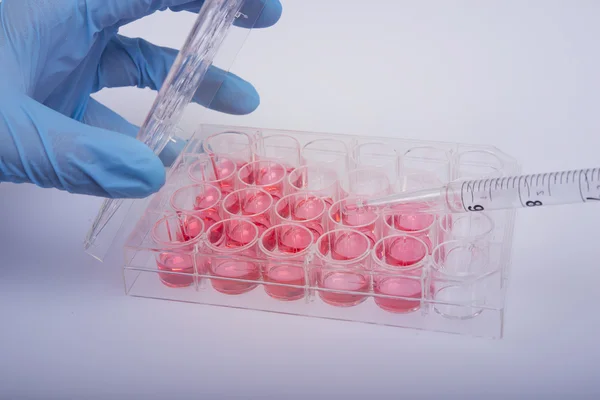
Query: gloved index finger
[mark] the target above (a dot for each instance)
(109, 13)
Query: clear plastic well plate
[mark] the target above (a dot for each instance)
(271, 220)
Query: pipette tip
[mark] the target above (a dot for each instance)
(431, 197)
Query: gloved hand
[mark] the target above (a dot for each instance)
(53, 55)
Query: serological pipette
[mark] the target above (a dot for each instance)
(197, 54)
(524, 191)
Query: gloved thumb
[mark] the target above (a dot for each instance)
(41, 146)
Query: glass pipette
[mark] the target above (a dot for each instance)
(197, 54)
(553, 188)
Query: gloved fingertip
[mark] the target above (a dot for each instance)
(148, 174)
(236, 96)
(150, 181)
(270, 13)
(172, 150)
(246, 104)
(124, 166)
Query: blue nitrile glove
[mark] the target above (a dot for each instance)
(53, 55)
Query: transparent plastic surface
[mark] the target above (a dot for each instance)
(206, 38)
(288, 234)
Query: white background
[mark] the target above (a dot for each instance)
(519, 75)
